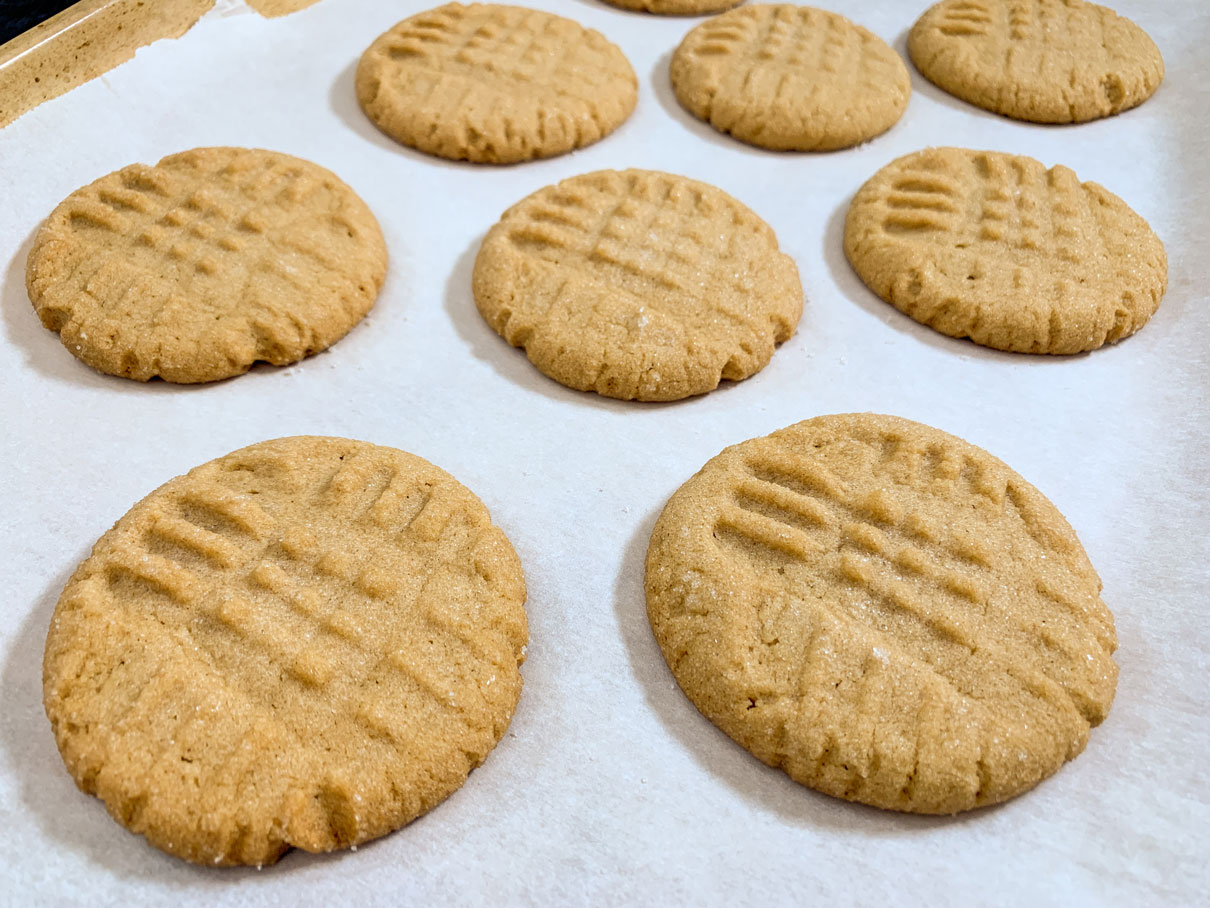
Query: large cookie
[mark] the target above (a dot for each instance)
(308, 642)
(676, 7)
(637, 285)
(790, 78)
(1049, 61)
(212, 260)
(889, 614)
(999, 249)
(494, 84)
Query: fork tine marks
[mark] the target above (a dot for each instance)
(214, 501)
(213, 547)
(155, 572)
(752, 529)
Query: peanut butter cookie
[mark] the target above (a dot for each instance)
(790, 78)
(1047, 61)
(211, 260)
(637, 285)
(889, 614)
(676, 7)
(494, 84)
(308, 642)
(998, 248)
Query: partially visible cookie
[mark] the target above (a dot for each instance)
(886, 612)
(211, 260)
(494, 84)
(1047, 61)
(308, 642)
(676, 7)
(637, 285)
(790, 77)
(274, 8)
(998, 248)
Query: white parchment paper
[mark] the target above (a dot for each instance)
(609, 787)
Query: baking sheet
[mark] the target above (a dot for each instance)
(609, 787)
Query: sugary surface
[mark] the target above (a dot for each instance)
(1048, 61)
(889, 614)
(638, 285)
(495, 84)
(308, 642)
(790, 77)
(213, 259)
(1000, 249)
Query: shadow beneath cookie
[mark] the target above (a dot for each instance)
(43, 351)
(342, 100)
(67, 816)
(41, 348)
(768, 788)
(511, 362)
(922, 87)
(661, 84)
(72, 820)
(605, 4)
(853, 289)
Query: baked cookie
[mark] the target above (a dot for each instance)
(1047, 61)
(676, 7)
(889, 614)
(212, 260)
(308, 642)
(790, 78)
(271, 9)
(637, 285)
(494, 84)
(999, 249)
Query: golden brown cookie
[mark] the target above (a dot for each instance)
(676, 7)
(1048, 61)
(999, 249)
(212, 260)
(889, 614)
(494, 84)
(637, 285)
(308, 642)
(271, 9)
(790, 78)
